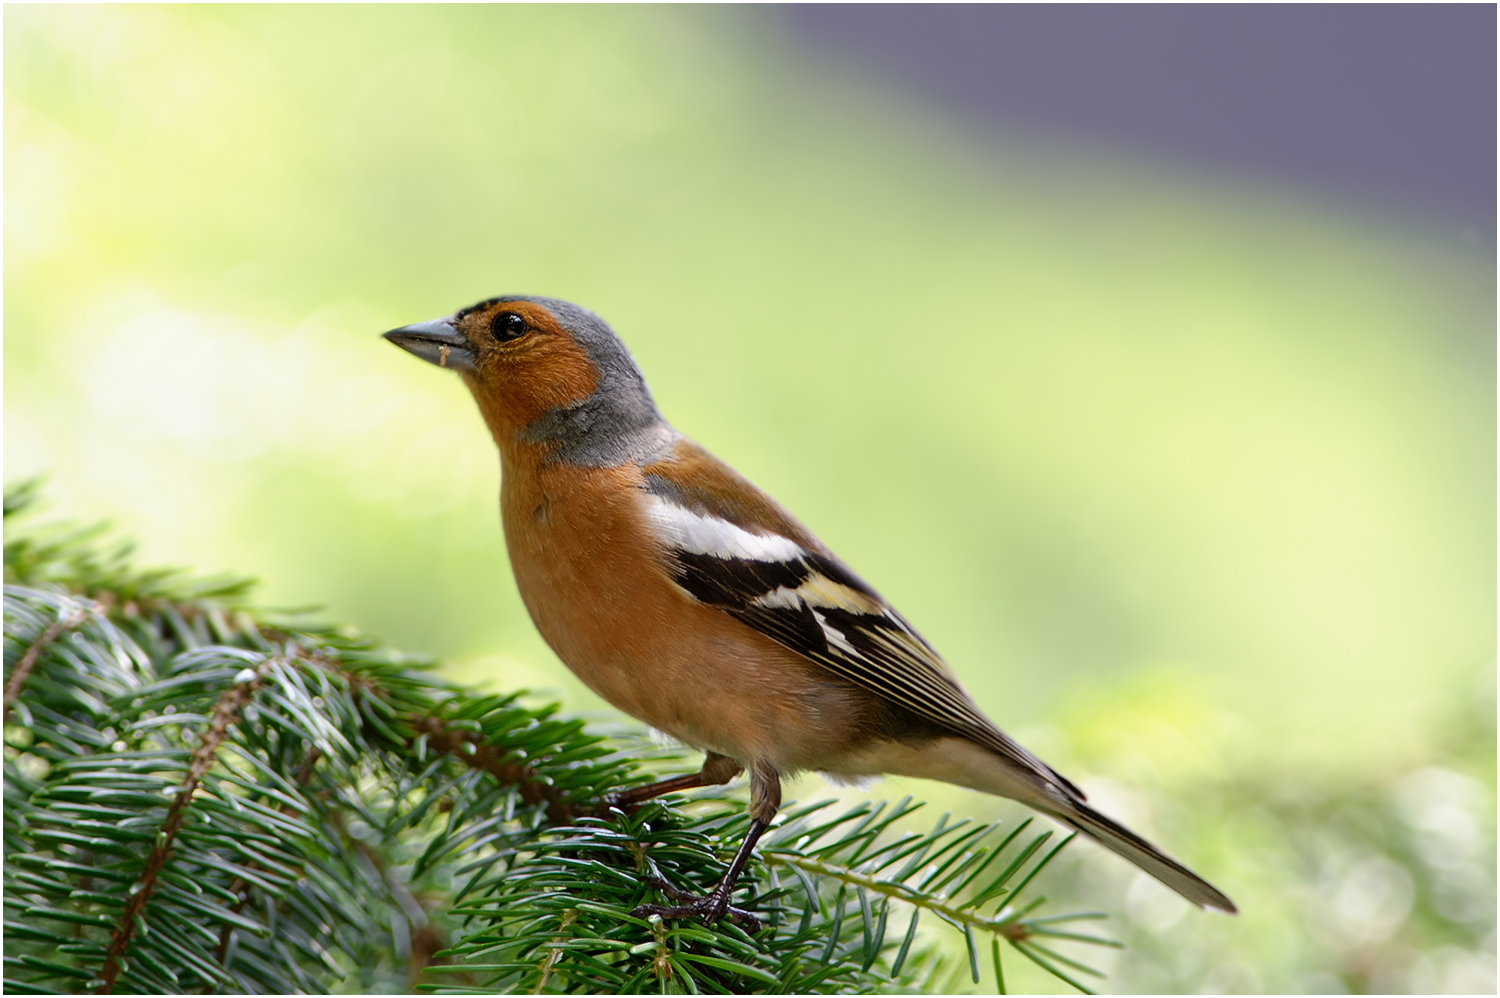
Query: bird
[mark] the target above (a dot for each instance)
(689, 599)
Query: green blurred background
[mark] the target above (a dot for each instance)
(1192, 481)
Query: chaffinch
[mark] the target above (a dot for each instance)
(686, 597)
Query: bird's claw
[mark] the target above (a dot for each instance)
(710, 907)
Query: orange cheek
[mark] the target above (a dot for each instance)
(515, 388)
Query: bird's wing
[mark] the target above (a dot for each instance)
(730, 546)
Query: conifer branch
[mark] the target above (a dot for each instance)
(463, 746)
(339, 820)
(226, 712)
(29, 659)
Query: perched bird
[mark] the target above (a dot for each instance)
(686, 597)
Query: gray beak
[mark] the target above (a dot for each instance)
(436, 341)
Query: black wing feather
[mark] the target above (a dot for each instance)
(879, 651)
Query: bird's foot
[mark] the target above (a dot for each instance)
(710, 907)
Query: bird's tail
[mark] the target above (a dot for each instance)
(1123, 842)
(1017, 774)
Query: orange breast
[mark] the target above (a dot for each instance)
(598, 590)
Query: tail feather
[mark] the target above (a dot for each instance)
(1123, 842)
(1020, 776)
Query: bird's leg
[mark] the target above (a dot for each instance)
(765, 801)
(717, 769)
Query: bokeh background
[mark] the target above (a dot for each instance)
(1146, 364)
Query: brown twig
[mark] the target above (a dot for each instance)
(34, 653)
(560, 810)
(226, 712)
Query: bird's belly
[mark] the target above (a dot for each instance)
(727, 693)
(645, 646)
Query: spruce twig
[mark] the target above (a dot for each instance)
(226, 712)
(28, 660)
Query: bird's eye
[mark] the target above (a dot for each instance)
(507, 326)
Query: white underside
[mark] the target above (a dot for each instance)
(953, 760)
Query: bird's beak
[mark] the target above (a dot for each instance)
(437, 341)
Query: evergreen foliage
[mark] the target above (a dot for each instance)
(201, 797)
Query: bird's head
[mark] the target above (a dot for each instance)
(546, 374)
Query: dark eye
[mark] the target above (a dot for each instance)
(507, 326)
